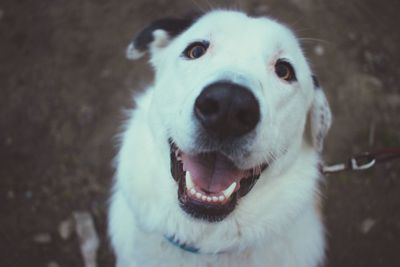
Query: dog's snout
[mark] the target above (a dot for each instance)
(226, 109)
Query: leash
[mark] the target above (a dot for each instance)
(363, 161)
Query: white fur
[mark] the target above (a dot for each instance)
(276, 224)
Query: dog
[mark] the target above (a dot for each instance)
(219, 161)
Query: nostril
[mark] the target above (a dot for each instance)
(207, 107)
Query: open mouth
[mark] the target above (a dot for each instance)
(209, 183)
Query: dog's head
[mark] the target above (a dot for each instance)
(232, 95)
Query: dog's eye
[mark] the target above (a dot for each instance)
(285, 71)
(196, 50)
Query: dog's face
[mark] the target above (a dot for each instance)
(231, 98)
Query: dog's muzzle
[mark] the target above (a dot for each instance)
(209, 182)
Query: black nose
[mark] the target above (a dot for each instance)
(227, 110)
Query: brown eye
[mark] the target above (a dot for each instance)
(285, 71)
(196, 50)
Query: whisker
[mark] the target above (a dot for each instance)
(198, 6)
(210, 6)
(315, 40)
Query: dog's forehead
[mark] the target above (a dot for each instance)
(237, 28)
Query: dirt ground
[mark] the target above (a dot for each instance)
(64, 82)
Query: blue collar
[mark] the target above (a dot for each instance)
(183, 246)
(188, 248)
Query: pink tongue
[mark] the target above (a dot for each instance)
(212, 172)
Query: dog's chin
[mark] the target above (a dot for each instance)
(214, 197)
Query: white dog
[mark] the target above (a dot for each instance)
(219, 161)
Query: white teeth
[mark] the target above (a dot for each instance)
(201, 196)
(228, 192)
(188, 180)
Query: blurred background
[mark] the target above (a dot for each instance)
(64, 82)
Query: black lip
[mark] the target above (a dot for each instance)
(200, 210)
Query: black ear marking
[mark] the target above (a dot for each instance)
(315, 81)
(172, 26)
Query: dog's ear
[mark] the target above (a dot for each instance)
(158, 34)
(320, 117)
